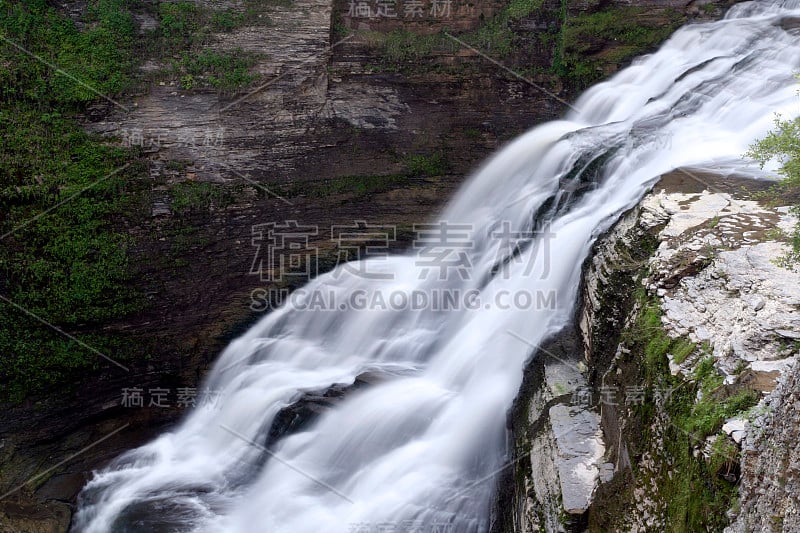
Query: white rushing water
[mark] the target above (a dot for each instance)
(418, 446)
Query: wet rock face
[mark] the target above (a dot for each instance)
(566, 450)
(558, 444)
(307, 407)
(37, 518)
(580, 447)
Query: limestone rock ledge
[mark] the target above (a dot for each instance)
(711, 260)
(716, 273)
(745, 307)
(566, 450)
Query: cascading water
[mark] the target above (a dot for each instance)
(418, 447)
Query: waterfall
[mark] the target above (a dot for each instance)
(419, 446)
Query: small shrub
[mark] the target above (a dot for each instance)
(783, 145)
(187, 82)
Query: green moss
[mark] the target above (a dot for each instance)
(67, 196)
(422, 165)
(648, 335)
(225, 70)
(184, 239)
(695, 492)
(584, 47)
(357, 186)
(185, 24)
(338, 29)
(682, 349)
(63, 193)
(65, 260)
(706, 415)
(417, 166)
(494, 38)
(709, 8)
(724, 452)
(184, 41)
(227, 20)
(518, 9)
(700, 491)
(627, 29)
(624, 24)
(196, 197)
(99, 56)
(414, 51)
(401, 45)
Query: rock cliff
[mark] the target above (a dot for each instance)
(682, 389)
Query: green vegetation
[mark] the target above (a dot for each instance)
(620, 24)
(62, 191)
(227, 70)
(494, 37)
(227, 20)
(584, 47)
(681, 349)
(472, 133)
(65, 194)
(699, 491)
(185, 238)
(705, 416)
(783, 145)
(406, 46)
(191, 196)
(518, 9)
(357, 186)
(584, 36)
(698, 497)
(425, 166)
(339, 30)
(100, 56)
(183, 40)
(185, 25)
(709, 9)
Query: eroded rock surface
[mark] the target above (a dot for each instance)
(566, 449)
(722, 285)
(771, 465)
(713, 264)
